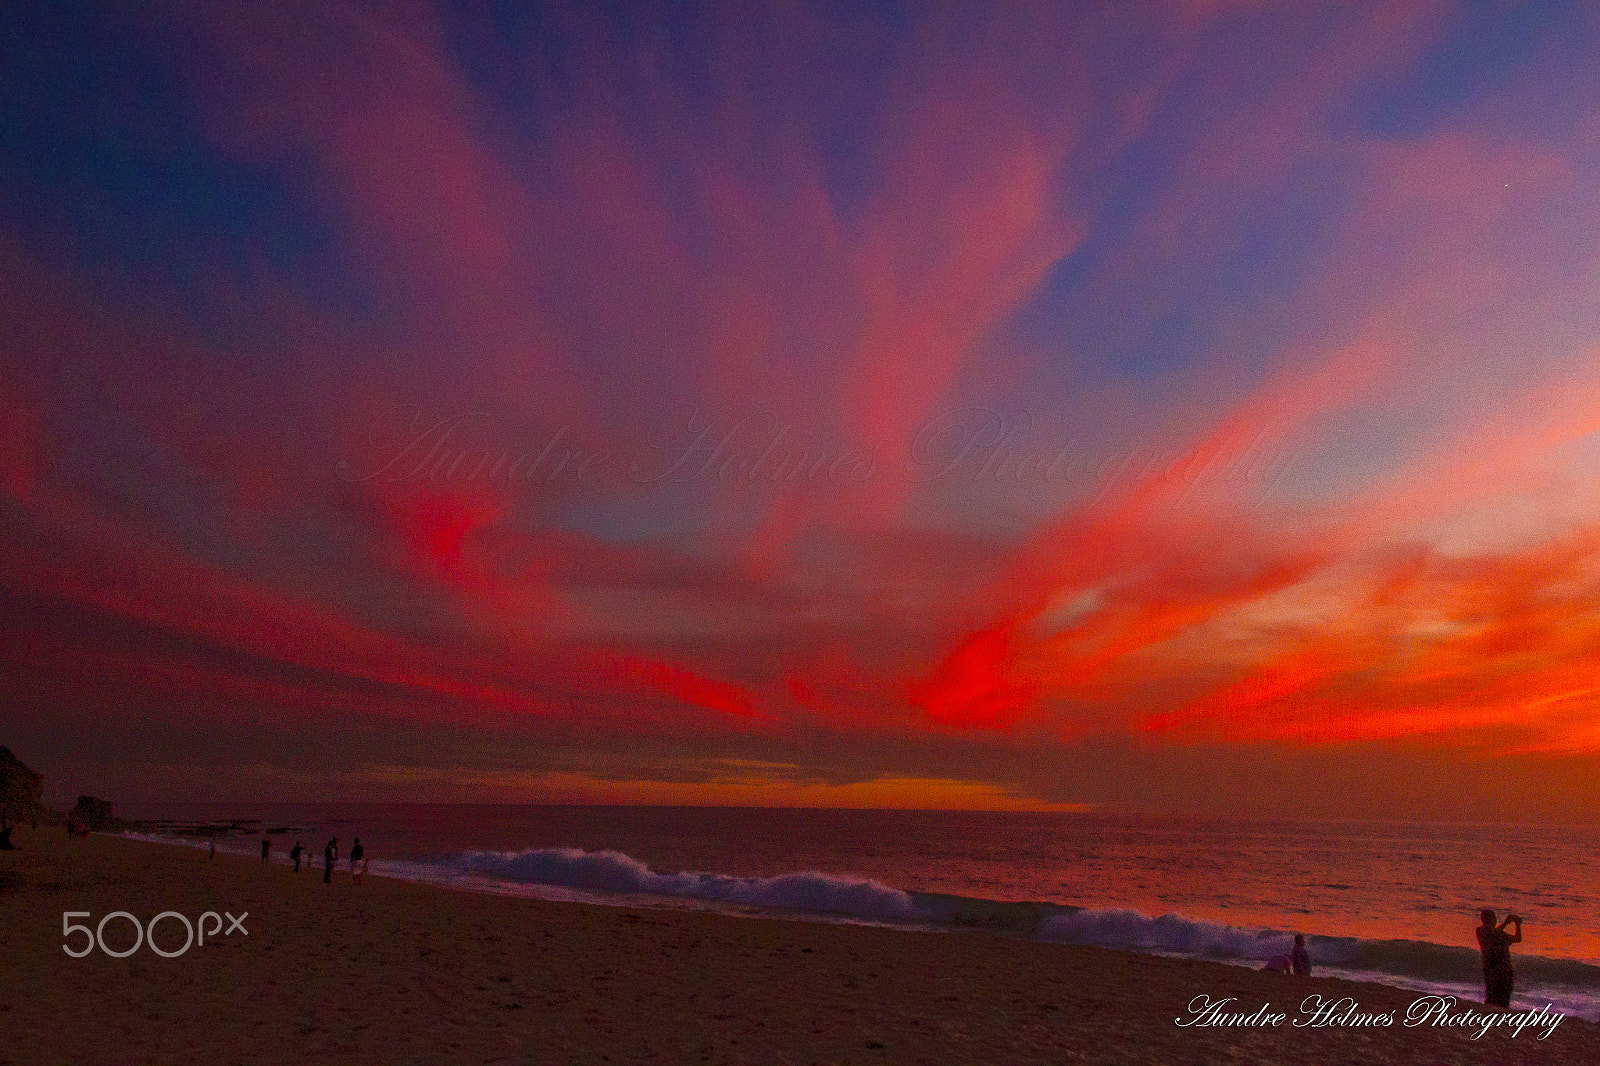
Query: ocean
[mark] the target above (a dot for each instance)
(1390, 902)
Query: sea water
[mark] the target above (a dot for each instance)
(1390, 902)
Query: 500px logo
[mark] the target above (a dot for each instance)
(144, 933)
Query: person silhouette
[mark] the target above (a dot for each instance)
(1300, 958)
(1495, 943)
(295, 853)
(330, 855)
(356, 851)
(266, 846)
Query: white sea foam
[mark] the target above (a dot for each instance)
(613, 871)
(1120, 928)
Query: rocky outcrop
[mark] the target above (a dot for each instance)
(21, 789)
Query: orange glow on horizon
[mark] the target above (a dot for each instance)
(732, 790)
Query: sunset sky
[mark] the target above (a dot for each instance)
(1192, 406)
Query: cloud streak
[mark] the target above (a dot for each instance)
(881, 403)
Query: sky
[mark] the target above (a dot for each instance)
(1181, 406)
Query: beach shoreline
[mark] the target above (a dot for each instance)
(802, 882)
(398, 971)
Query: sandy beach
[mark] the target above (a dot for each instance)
(396, 972)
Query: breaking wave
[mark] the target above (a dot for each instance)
(613, 871)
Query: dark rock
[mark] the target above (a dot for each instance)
(21, 790)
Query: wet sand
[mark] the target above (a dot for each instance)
(394, 972)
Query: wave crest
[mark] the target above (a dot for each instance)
(1122, 928)
(614, 871)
